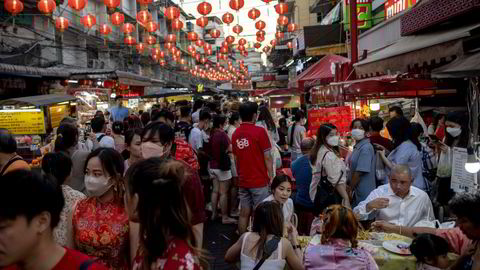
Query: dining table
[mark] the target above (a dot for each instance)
(373, 243)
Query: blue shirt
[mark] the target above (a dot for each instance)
(363, 160)
(302, 171)
(118, 113)
(407, 154)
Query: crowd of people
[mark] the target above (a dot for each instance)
(135, 194)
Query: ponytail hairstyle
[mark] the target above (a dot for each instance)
(67, 137)
(340, 223)
(162, 209)
(267, 219)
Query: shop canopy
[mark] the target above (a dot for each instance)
(319, 73)
(37, 72)
(41, 100)
(464, 66)
(275, 92)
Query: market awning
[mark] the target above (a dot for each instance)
(40, 100)
(275, 92)
(464, 66)
(152, 91)
(320, 72)
(130, 78)
(17, 70)
(415, 49)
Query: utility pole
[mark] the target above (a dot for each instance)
(353, 32)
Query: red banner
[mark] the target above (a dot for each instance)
(341, 117)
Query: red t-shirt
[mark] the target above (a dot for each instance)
(71, 260)
(249, 143)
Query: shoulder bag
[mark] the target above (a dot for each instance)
(268, 249)
(326, 193)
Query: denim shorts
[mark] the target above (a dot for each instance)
(251, 197)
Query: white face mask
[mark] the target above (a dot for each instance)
(333, 141)
(150, 149)
(97, 186)
(454, 132)
(358, 134)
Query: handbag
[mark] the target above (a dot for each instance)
(326, 193)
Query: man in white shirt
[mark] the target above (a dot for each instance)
(397, 202)
(197, 136)
(99, 127)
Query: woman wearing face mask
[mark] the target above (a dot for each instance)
(100, 226)
(67, 142)
(361, 176)
(296, 133)
(133, 141)
(281, 188)
(407, 150)
(327, 162)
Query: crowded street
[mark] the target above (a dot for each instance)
(233, 134)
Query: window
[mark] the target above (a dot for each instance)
(319, 17)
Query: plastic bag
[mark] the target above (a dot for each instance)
(444, 168)
(418, 119)
(380, 172)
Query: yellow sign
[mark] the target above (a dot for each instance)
(57, 113)
(23, 122)
(179, 98)
(200, 87)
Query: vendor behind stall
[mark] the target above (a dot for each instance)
(118, 112)
(9, 160)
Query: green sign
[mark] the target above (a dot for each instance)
(364, 14)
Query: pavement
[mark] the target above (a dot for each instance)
(217, 239)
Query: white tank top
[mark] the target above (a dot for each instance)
(248, 263)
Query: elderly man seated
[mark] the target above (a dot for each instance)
(397, 202)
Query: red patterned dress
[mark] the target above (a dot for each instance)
(101, 230)
(178, 256)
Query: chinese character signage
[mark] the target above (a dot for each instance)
(341, 117)
(364, 14)
(393, 7)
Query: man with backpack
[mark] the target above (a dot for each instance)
(101, 139)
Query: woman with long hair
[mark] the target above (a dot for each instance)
(133, 142)
(281, 189)
(282, 133)
(327, 163)
(117, 134)
(338, 249)
(100, 226)
(267, 227)
(265, 120)
(406, 150)
(296, 133)
(154, 199)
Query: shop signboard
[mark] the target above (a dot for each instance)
(23, 122)
(462, 181)
(393, 7)
(57, 113)
(364, 14)
(340, 116)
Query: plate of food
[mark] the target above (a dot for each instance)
(397, 247)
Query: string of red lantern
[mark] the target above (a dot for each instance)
(177, 24)
(128, 28)
(236, 4)
(292, 27)
(61, 23)
(144, 17)
(237, 29)
(204, 8)
(89, 21)
(151, 26)
(279, 35)
(282, 20)
(253, 13)
(202, 21)
(105, 29)
(227, 18)
(281, 8)
(46, 6)
(77, 4)
(117, 18)
(172, 13)
(13, 6)
(260, 25)
(111, 4)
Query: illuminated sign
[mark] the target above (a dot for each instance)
(393, 7)
(364, 14)
(23, 122)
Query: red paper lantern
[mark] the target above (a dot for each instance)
(281, 8)
(111, 4)
(178, 53)
(279, 35)
(257, 45)
(128, 28)
(282, 20)
(207, 46)
(194, 53)
(237, 29)
(209, 52)
(273, 42)
(161, 54)
(151, 26)
(260, 25)
(151, 40)
(129, 40)
(260, 38)
(260, 33)
(204, 8)
(267, 1)
(290, 45)
(224, 50)
(155, 51)
(192, 36)
(240, 48)
(162, 62)
(253, 13)
(140, 47)
(61, 23)
(168, 45)
(117, 18)
(77, 4)
(242, 41)
(224, 43)
(144, 17)
(89, 21)
(203, 60)
(291, 27)
(172, 13)
(202, 21)
(200, 43)
(13, 6)
(144, 2)
(190, 48)
(46, 6)
(105, 29)
(197, 57)
(227, 18)
(171, 38)
(177, 24)
(215, 33)
(236, 4)
(230, 39)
